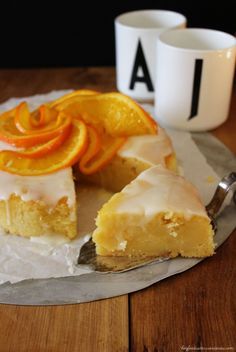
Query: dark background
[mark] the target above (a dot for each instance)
(81, 33)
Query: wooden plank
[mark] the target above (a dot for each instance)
(98, 326)
(38, 81)
(86, 327)
(227, 132)
(196, 308)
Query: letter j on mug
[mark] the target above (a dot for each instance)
(194, 75)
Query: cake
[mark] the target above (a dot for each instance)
(46, 203)
(157, 214)
(109, 140)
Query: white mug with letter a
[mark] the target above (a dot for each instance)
(195, 70)
(136, 35)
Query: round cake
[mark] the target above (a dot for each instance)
(37, 188)
(108, 140)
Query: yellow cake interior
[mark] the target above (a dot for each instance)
(34, 218)
(122, 235)
(38, 205)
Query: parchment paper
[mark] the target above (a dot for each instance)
(42, 272)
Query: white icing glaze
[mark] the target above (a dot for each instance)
(148, 148)
(48, 188)
(159, 190)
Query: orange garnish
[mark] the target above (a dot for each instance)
(42, 116)
(43, 149)
(10, 134)
(83, 126)
(94, 146)
(66, 155)
(27, 123)
(99, 152)
(118, 114)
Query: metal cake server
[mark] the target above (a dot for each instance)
(102, 264)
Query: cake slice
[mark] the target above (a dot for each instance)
(158, 214)
(38, 205)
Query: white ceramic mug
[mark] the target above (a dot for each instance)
(136, 34)
(195, 70)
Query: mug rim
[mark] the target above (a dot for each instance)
(163, 40)
(182, 19)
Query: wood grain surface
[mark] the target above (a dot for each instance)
(193, 310)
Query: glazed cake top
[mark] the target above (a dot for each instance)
(48, 188)
(148, 148)
(159, 190)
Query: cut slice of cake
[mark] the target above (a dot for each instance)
(38, 205)
(136, 155)
(158, 214)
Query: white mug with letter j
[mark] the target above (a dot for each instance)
(195, 70)
(136, 36)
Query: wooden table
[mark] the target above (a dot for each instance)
(195, 308)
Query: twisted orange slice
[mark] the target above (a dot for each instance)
(9, 133)
(40, 150)
(41, 117)
(118, 114)
(43, 120)
(66, 155)
(100, 151)
(94, 146)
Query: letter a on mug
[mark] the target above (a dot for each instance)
(140, 63)
(136, 34)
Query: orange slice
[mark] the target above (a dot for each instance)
(94, 146)
(99, 152)
(10, 134)
(28, 123)
(41, 117)
(118, 114)
(43, 149)
(66, 155)
(74, 94)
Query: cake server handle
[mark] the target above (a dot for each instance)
(222, 190)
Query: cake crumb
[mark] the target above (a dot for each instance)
(173, 234)
(168, 215)
(172, 224)
(122, 245)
